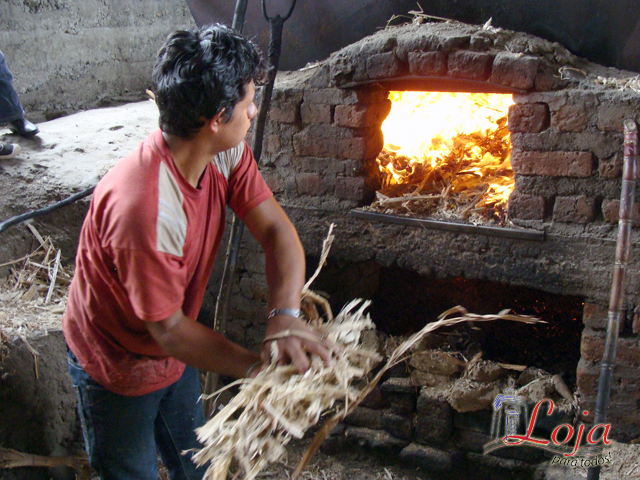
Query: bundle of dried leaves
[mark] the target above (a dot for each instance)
(280, 404)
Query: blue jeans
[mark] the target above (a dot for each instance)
(10, 106)
(124, 434)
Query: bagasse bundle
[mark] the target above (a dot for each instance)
(279, 403)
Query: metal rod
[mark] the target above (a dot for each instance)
(623, 247)
(538, 236)
(231, 259)
(237, 227)
(238, 15)
(436, 84)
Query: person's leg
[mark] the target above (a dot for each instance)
(9, 150)
(10, 106)
(118, 430)
(181, 413)
(11, 111)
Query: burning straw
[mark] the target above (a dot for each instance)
(430, 164)
(279, 404)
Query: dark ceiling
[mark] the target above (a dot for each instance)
(604, 31)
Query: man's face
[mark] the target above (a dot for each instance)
(234, 131)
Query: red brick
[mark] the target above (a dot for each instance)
(310, 184)
(611, 211)
(273, 144)
(285, 112)
(571, 118)
(595, 316)
(315, 113)
(526, 207)
(587, 375)
(553, 164)
(628, 352)
(330, 141)
(328, 167)
(610, 117)
(627, 349)
(362, 115)
(528, 117)
(592, 345)
(580, 209)
(339, 96)
(384, 65)
(274, 181)
(469, 65)
(546, 81)
(278, 182)
(427, 63)
(516, 71)
(611, 167)
(353, 188)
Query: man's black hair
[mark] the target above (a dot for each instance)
(199, 72)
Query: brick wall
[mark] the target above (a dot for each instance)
(322, 140)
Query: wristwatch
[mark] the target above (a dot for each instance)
(291, 312)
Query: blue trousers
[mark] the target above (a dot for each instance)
(10, 106)
(123, 435)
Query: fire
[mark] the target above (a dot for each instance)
(448, 151)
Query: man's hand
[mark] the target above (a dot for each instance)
(295, 348)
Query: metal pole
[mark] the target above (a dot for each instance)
(623, 246)
(237, 227)
(238, 15)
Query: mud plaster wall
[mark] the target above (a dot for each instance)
(38, 414)
(65, 56)
(69, 55)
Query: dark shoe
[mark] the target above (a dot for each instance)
(23, 127)
(9, 150)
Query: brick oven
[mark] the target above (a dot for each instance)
(553, 256)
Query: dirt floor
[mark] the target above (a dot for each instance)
(71, 153)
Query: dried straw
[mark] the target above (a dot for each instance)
(33, 295)
(628, 83)
(400, 354)
(279, 404)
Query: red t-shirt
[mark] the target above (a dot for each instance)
(146, 249)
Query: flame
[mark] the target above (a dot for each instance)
(456, 142)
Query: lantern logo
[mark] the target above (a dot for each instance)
(510, 413)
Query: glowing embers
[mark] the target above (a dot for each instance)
(446, 154)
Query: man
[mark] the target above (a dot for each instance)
(145, 254)
(11, 112)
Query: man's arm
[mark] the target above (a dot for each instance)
(285, 270)
(200, 346)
